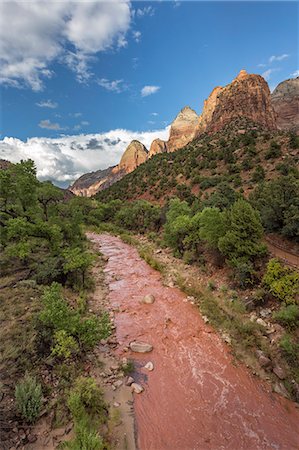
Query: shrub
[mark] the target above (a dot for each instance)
(86, 400)
(85, 439)
(289, 348)
(274, 151)
(258, 174)
(128, 367)
(28, 396)
(92, 329)
(64, 345)
(281, 281)
(288, 316)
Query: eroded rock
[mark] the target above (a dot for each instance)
(140, 347)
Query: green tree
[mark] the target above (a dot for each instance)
(242, 241)
(213, 226)
(77, 261)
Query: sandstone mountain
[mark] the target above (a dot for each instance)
(285, 101)
(183, 129)
(91, 183)
(246, 99)
(157, 146)
(248, 96)
(135, 154)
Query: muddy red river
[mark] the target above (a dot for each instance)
(195, 398)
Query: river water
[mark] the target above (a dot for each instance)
(195, 398)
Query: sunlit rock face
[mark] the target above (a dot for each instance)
(183, 129)
(134, 155)
(247, 96)
(157, 146)
(285, 101)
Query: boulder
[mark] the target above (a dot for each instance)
(129, 381)
(149, 366)
(137, 388)
(279, 372)
(148, 299)
(140, 347)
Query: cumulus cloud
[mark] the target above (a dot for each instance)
(44, 32)
(275, 58)
(47, 104)
(117, 86)
(48, 125)
(149, 90)
(64, 159)
(295, 74)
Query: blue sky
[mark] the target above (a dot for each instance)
(132, 67)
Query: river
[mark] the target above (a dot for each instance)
(196, 398)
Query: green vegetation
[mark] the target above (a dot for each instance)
(281, 281)
(278, 204)
(88, 410)
(29, 398)
(46, 325)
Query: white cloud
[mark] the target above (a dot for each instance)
(146, 11)
(278, 57)
(114, 85)
(47, 104)
(267, 74)
(149, 90)
(48, 125)
(83, 123)
(64, 159)
(154, 114)
(295, 74)
(35, 34)
(136, 36)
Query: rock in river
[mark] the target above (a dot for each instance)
(140, 347)
(136, 388)
(148, 299)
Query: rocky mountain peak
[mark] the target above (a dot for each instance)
(183, 129)
(247, 97)
(242, 74)
(134, 155)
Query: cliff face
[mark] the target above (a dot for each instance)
(157, 146)
(135, 154)
(248, 96)
(183, 129)
(285, 101)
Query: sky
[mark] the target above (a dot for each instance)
(80, 80)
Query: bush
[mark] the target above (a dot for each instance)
(274, 151)
(28, 396)
(289, 348)
(258, 174)
(65, 345)
(86, 399)
(85, 439)
(288, 316)
(281, 281)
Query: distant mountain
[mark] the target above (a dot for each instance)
(285, 100)
(247, 98)
(91, 183)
